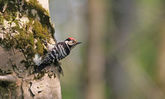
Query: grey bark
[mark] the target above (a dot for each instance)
(20, 83)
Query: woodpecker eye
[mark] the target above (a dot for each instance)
(74, 41)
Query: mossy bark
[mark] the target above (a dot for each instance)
(24, 27)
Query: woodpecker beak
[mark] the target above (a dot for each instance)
(78, 43)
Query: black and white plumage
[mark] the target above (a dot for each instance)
(58, 52)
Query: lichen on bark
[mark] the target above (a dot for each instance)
(25, 26)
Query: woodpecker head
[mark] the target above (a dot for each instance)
(71, 42)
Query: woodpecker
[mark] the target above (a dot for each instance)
(58, 52)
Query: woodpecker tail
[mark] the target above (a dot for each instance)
(42, 66)
(59, 68)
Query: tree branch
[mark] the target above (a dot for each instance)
(8, 78)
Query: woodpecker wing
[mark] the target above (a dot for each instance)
(60, 51)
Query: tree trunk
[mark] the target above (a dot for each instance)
(161, 58)
(24, 27)
(125, 75)
(95, 55)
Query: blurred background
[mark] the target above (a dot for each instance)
(123, 51)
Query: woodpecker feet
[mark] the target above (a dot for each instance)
(51, 71)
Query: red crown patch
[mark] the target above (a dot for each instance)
(71, 38)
